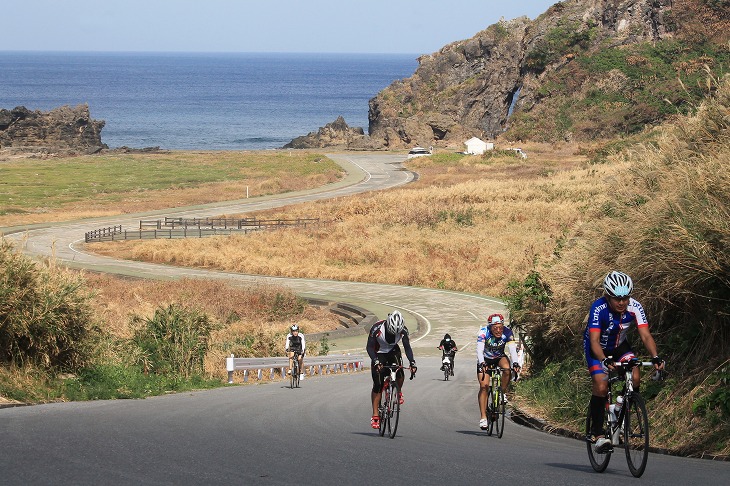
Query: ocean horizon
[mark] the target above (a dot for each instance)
(202, 101)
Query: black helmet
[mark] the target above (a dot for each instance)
(294, 328)
(447, 337)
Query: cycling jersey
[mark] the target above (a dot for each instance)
(612, 326)
(448, 347)
(491, 347)
(380, 342)
(295, 343)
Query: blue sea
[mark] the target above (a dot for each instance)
(197, 101)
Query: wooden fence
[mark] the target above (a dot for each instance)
(170, 228)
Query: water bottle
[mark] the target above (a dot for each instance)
(612, 413)
(619, 404)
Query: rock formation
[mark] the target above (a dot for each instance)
(521, 78)
(335, 134)
(61, 129)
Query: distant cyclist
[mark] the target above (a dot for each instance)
(448, 348)
(383, 350)
(604, 342)
(492, 340)
(295, 344)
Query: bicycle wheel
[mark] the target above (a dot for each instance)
(293, 372)
(636, 435)
(599, 461)
(297, 377)
(490, 410)
(447, 371)
(500, 407)
(383, 410)
(394, 410)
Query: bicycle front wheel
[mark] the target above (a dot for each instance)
(292, 376)
(384, 410)
(394, 410)
(501, 409)
(636, 435)
(599, 461)
(447, 372)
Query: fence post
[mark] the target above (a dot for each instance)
(230, 368)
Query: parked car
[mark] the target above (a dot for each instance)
(418, 152)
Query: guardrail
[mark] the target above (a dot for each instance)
(313, 364)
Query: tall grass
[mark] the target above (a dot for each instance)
(667, 224)
(45, 314)
(469, 224)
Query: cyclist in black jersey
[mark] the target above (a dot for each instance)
(295, 343)
(448, 348)
(383, 349)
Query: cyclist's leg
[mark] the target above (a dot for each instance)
(377, 389)
(599, 390)
(504, 364)
(290, 355)
(483, 379)
(301, 362)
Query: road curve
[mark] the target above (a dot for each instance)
(318, 434)
(438, 311)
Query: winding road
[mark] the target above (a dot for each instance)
(318, 434)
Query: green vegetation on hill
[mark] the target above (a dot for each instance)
(617, 91)
(668, 226)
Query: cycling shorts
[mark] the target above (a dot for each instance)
(391, 358)
(622, 353)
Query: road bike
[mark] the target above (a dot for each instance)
(496, 407)
(626, 423)
(447, 367)
(294, 371)
(389, 408)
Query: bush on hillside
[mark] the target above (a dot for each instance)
(669, 228)
(174, 341)
(45, 314)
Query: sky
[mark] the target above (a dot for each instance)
(316, 26)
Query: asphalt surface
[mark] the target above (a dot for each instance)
(318, 434)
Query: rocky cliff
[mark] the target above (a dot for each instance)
(61, 129)
(583, 70)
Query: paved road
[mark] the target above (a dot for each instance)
(319, 434)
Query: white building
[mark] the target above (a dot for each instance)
(476, 146)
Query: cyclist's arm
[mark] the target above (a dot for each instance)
(512, 348)
(371, 345)
(480, 351)
(304, 346)
(286, 345)
(596, 349)
(648, 341)
(407, 348)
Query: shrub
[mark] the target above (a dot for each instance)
(174, 341)
(45, 314)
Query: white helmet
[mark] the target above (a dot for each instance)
(618, 284)
(395, 323)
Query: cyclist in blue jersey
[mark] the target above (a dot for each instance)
(604, 342)
(492, 340)
(383, 349)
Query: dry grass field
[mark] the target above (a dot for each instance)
(467, 224)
